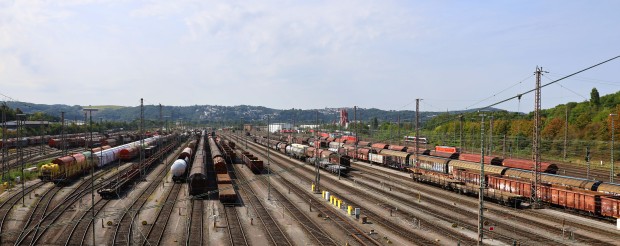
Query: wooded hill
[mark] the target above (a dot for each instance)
(589, 125)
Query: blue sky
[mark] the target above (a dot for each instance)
(306, 54)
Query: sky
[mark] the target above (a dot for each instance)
(454, 55)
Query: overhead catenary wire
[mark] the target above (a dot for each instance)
(552, 82)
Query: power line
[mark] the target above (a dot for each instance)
(552, 82)
(502, 91)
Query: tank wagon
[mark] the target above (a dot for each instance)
(180, 167)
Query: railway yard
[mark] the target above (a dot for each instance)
(209, 187)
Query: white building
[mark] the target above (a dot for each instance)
(276, 127)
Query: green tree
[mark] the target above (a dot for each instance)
(375, 123)
(595, 98)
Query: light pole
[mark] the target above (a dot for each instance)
(92, 170)
(19, 155)
(611, 172)
(481, 193)
(268, 163)
(167, 127)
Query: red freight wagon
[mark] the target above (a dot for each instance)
(576, 199)
(529, 165)
(610, 206)
(493, 160)
(398, 148)
(379, 146)
(224, 179)
(466, 176)
(350, 139)
(363, 143)
(447, 155)
(521, 187)
(227, 193)
(362, 153)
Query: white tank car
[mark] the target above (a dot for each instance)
(178, 168)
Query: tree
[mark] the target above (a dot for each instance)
(595, 98)
(375, 123)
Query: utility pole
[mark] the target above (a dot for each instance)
(613, 129)
(481, 193)
(141, 139)
(461, 132)
(62, 134)
(92, 171)
(268, 162)
(355, 120)
(536, 144)
(565, 133)
(398, 128)
(20, 158)
(491, 136)
(4, 150)
(317, 147)
(417, 131)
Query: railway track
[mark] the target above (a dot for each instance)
(84, 188)
(344, 223)
(5, 208)
(235, 230)
(432, 194)
(314, 230)
(36, 215)
(195, 228)
(77, 235)
(156, 232)
(275, 233)
(124, 229)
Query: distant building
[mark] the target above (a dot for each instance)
(247, 127)
(308, 126)
(26, 123)
(277, 127)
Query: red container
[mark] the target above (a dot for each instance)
(446, 149)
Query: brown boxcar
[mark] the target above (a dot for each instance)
(223, 179)
(493, 160)
(448, 155)
(545, 167)
(398, 148)
(583, 200)
(380, 146)
(517, 186)
(227, 193)
(610, 206)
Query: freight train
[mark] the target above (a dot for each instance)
(65, 169)
(198, 174)
(448, 168)
(180, 167)
(589, 196)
